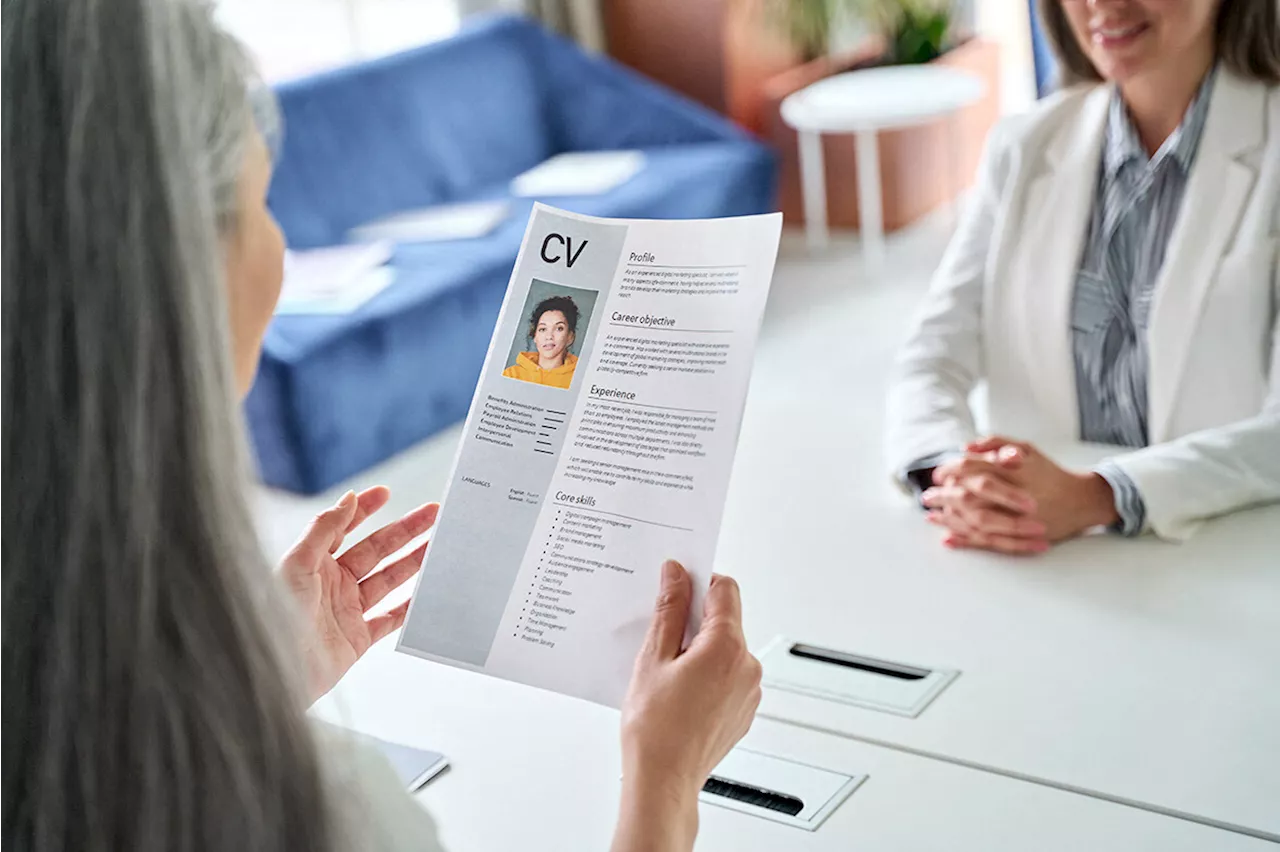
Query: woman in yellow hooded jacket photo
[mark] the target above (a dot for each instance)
(553, 326)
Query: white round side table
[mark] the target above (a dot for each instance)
(863, 103)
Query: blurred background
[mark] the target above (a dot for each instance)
(418, 133)
(716, 47)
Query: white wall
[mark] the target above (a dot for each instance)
(290, 38)
(1007, 23)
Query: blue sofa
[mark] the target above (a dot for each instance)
(450, 122)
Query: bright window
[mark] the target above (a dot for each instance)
(290, 38)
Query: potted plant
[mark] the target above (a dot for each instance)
(807, 24)
(913, 31)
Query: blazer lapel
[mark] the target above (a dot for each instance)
(1217, 190)
(1058, 203)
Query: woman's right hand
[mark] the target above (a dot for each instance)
(683, 712)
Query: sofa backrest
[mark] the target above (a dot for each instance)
(440, 122)
(417, 128)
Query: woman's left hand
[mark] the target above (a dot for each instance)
(334, 593)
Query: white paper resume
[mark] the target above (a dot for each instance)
(599, 444)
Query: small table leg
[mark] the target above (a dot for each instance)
(813, 185)
(954, 185)
(871, 225)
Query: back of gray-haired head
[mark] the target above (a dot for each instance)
(147, 704)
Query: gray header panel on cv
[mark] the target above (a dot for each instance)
(497, 490)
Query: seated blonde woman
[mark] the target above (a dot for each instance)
(1114, 281)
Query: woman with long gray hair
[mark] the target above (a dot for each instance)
(155, 676)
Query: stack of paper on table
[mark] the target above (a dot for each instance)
(334, 280)
(578, 173)
(438, 223)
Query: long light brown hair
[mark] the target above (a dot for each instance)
(1247, 41)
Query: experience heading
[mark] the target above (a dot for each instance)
(611, 393)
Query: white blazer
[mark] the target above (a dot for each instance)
(998, 308)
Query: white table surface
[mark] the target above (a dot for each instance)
(1079, 667)
(535, 771)
(877, 98)
(1134, 669)
(1142, 670)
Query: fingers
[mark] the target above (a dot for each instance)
(991, 443)
(1000, 492)
(962, 534)
(961, 468)
(378, 585)
(980, 514)
(670, 613)
(328, 525)
(365, 555)
(369, 502)
(1004, 452)
(985, 480)
(381, 626)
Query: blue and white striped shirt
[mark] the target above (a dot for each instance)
(1134, 211)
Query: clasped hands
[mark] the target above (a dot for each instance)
(1007, 496)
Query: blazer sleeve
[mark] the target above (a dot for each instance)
(927, 411)
(1214, 471)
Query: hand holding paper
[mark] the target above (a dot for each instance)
(683, 713)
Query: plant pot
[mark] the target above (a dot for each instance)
(721, 53)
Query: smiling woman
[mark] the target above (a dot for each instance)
(1099, 41)
(1116, 282)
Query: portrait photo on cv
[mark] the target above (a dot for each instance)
(548, 340)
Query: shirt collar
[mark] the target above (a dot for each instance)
(1124, 145)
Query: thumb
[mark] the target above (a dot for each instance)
(1011, 456)
(988, 444)
(330, 526)
(671, 613)
(723, 604)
